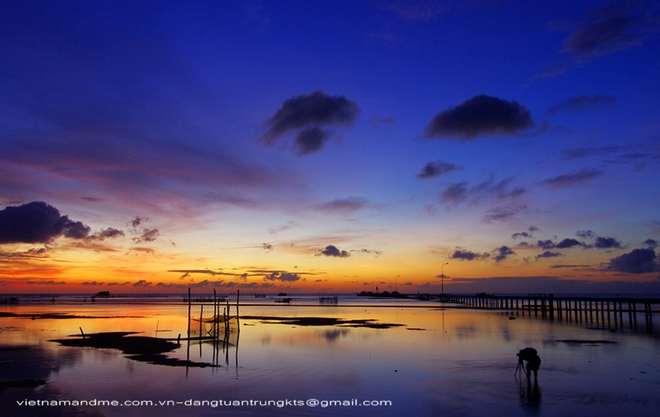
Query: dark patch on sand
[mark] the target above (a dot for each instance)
(586, 342)
(140, 348)
(23, 383)
(12, 348)
(62, 316)
(322, 321)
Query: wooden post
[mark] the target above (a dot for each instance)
(551, 300)
(189, 306)
(215, 316)
(201, 320)
(238, 323)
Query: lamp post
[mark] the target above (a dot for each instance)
(442, 277)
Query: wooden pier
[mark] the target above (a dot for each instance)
(610, 312)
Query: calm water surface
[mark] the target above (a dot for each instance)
(431, 362)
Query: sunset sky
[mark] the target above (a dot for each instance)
(329, 146)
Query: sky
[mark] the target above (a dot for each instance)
(494, 146)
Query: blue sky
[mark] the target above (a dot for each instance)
(327, 146)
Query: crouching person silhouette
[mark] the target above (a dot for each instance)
(533, 360)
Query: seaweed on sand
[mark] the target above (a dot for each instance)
(21, 383)
(59, 316)
(586, 342)
(140, 348)
(322, 321)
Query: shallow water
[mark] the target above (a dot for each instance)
(435, 362)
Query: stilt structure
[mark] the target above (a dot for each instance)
(605, 312)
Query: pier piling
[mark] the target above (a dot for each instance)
(606, 312)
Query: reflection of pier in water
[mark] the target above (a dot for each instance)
(221, 330)
(609, 311)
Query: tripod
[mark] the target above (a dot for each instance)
(520, 368)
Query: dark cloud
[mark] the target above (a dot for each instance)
(344, 205)
(76, 230)
(503, 213)
(436, 169)
(188, 272)
(546, 244)
(569, 180)
(457, 192)
(15, 257)
(43, 282)
(585, 234)
(460, 192)
(118, 284)
(147, 235)
(548, 254)
(307, 114)
(368, 251)
(568, 243)
(481, 115)
(612, 28)
(142, 283)
(141, 232)
(527, 234)
(267, 247)
(573, 266)
(607, 243)
(563, 244)
(310, 140)
(137, 221)
(149, 251)
(467, 255)
(501, 253)
(109, 233)
(37, 222)
(651, 243)
(282, 276)
(639, 261)
(582, 103)
(334, 252)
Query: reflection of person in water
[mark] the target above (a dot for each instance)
(533, 360)
(530, 394)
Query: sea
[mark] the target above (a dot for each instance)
(315, 355)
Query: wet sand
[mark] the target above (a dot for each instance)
(140, 348)
(456, 363)
(323, 321)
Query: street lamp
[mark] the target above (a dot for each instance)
(442, 276)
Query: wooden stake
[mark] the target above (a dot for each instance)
(189, 312)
